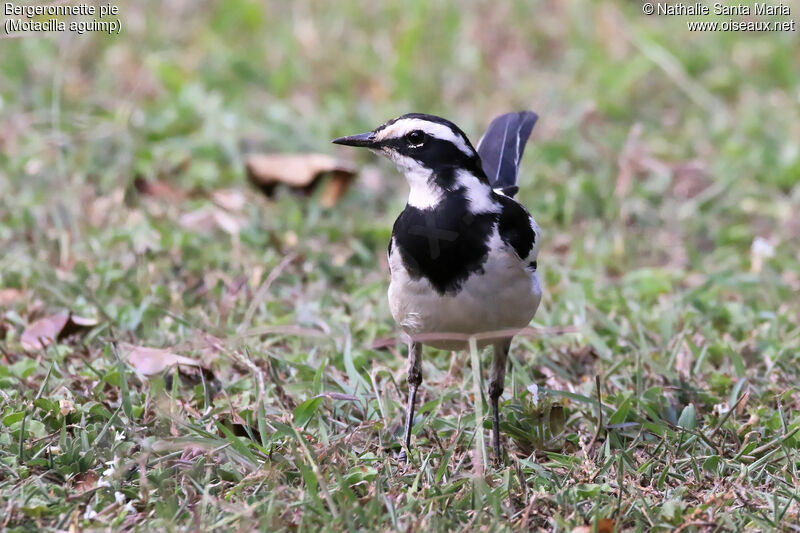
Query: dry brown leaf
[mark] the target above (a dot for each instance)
(82, 321)
(86, 481)
(9, 297)
(150, 361)
(301, 172)
(76, 324)
(44, 331)
(336, 187)
(605, 525)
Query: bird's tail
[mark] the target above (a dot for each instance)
(501, 148)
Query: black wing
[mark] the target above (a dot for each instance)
(501, 148)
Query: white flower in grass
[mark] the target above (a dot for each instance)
(108, 473)
(760, 250)
(127, 505)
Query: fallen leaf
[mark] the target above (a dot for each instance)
(150, 361)
(44, 331)
(604, 525)
(76, 324)
(301, 172)
(81, 321)
(9, 297)
(86, 481)
(335, 187)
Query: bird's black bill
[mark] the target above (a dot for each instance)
(362, 139)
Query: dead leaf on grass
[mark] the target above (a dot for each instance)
(150, 361)
(86, 481)
(44, 331)
(300, 172)
(605, 525)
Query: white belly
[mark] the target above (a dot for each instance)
(505, 296)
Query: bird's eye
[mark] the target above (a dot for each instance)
(415, 138)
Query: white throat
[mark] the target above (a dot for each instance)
(423, 193)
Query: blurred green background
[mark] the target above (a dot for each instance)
(663, 171)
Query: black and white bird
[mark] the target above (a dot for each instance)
(463, 251)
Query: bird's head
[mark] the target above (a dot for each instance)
(427, 149)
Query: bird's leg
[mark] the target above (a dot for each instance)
(414, 379)
(496, 390)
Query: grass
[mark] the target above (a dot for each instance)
(664, 173)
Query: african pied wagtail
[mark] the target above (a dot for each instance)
(463, 252)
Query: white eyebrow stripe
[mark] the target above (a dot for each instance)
(434, 129)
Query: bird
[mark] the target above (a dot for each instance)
(463, 252)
